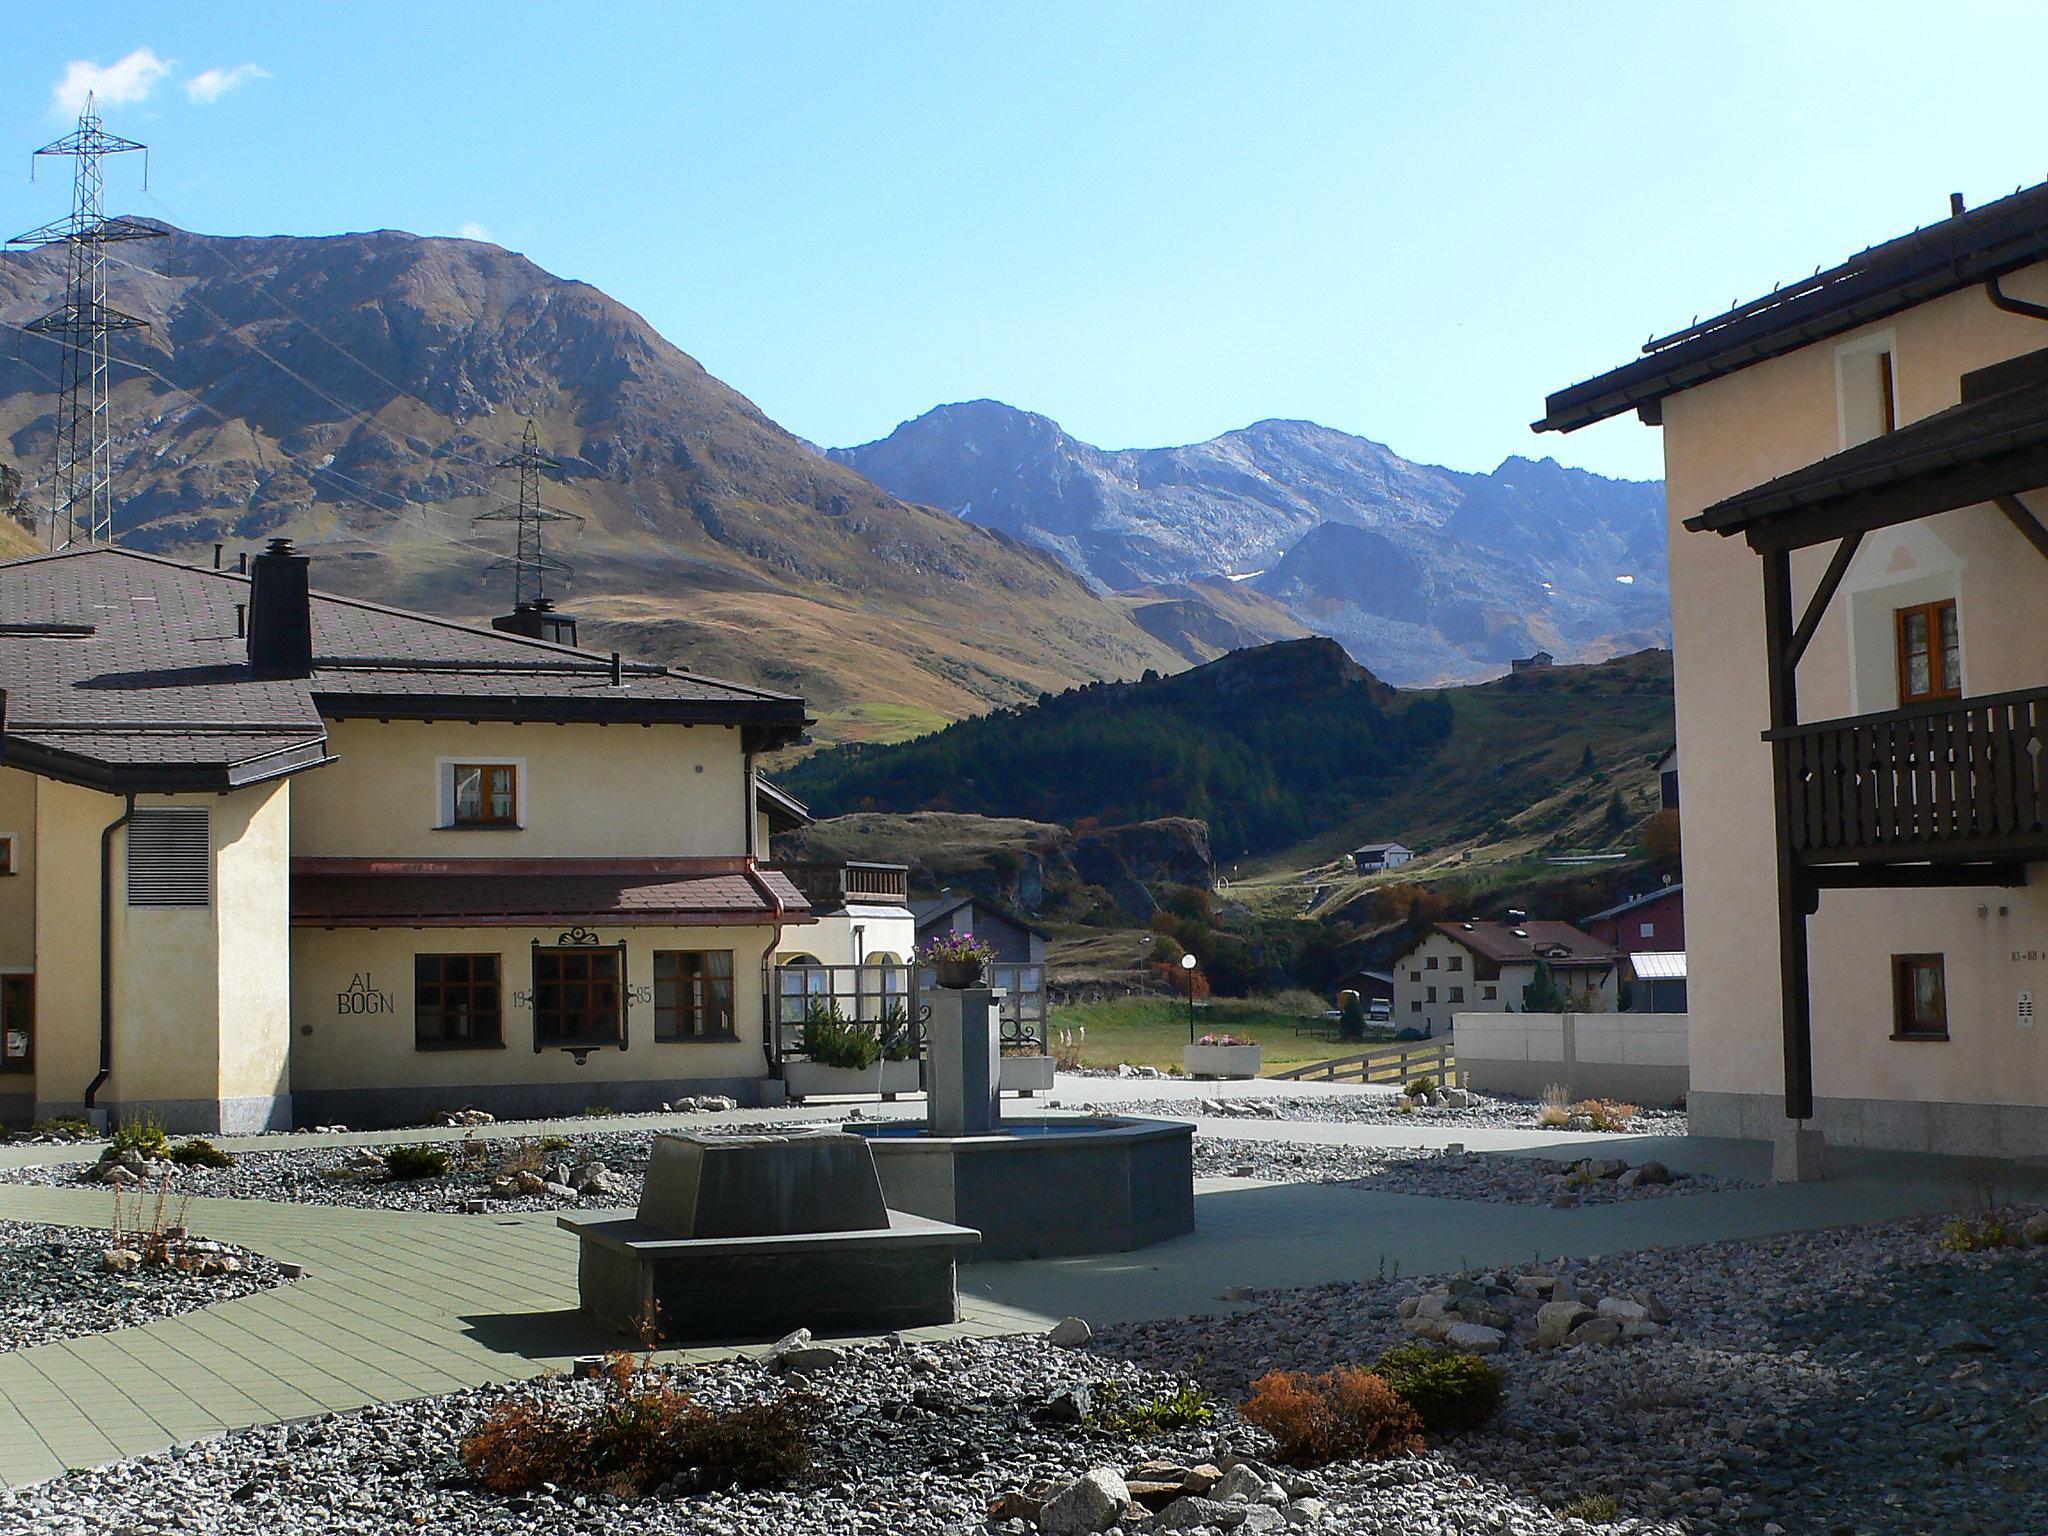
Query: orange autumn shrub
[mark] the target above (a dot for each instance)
(1347, 1414)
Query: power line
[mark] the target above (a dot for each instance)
(80, 325)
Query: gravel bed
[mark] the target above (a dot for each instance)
(309, 1174)
(1485, 1113)
(52, 1285)
(913, 1442)
(1509, 1179)
(1836, 1383)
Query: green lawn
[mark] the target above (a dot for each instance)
(1150, 1031)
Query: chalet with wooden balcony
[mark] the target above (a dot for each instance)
(1857, 478)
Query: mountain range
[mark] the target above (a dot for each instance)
(359, 393)
(1426, 575)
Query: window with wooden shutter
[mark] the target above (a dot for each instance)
(170, 857)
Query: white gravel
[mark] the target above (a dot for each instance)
(1501, 1177)
(52, 1285)
(1485, 1113)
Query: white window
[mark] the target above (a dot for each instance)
(481, 793)
(1866, 388)
(170, 857)
(1649, 930)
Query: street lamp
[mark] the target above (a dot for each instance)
(1187, 963)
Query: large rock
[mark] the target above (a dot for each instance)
(1070, 1333)
(1093, 1502)
(1596, 1330)
(2036, 1229)
(1475, 1338)
(1956, 1337)
(1623, 1311)
(1556, 1319)
(1195, 1513)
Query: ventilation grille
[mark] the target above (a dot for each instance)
(169, 852)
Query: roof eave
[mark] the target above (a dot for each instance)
(47, 762)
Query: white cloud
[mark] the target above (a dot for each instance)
(128, 79)
(209, 85)
(471, 230)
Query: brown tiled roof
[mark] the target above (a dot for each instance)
(1953, 253)
(159, 695)
(1536, 939)
(525, 893)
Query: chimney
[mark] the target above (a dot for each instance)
(280, 613)
(1955, 205)
(536, 619)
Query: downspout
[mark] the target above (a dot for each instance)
(769, 1032)
(2013, 306)
(107, 951)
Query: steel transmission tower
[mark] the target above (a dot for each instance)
(530, 564)
(82, 489)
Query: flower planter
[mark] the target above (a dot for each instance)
(901, 1077)
(808, 1079)
(960, 973)
(1221, 1061)
(1025, 1074)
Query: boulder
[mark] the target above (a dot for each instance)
(1194, 1513)
(1093, 1502)
(810, 1359)
(1202, 1476)
(1310, 1511)
(1606, 1167)
(1475, 1338)
(1956, 1337)
(1069, 1407)
(2036, 1229)
(1069, 1333)
(1240, 1485)
(1556, 1319)
(1596, 1330)
(120, 1261)
(1654, 1173)
(1533, 1287)
(1623, 1311)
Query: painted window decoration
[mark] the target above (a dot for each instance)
(693, 994)
(486, 795)
(17, 1023)
(1919, 998)
(577, 996)
(1930, 652)
(457, 1002)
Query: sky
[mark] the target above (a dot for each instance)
(1151, 222)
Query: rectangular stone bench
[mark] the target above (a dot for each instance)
(751, 1237)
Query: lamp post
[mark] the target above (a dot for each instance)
(1187, 963)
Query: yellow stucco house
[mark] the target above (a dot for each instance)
(273, 857)
(1854, 470)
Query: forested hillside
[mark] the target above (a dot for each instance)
(1265, 745)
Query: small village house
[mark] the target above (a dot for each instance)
(1474, 967)
(1667, 781)
(1370, 858)
(1855, 472)
(279, 857)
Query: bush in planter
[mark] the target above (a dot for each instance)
(959, 958)
(832, 1040)
(899, 1040)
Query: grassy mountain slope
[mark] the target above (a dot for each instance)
(356, 393)
(1319, 757)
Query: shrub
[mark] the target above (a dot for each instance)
(642, 1433)
(1556, 1107)
(1351, 1023)
(596, 1111)
(1421, 1088)
(899, 1040)
(832, 1040)
(144, 1134)
(1343, 1415)
(1607, 1114)
(201, 1153)
(552, 1144)
(1991, 1231)
(1450, 1390)
(1187, 1406)
(415, 1162)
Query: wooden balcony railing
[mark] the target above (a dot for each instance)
(828, 887)
(1947, 782)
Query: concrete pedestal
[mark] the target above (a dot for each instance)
(1798, 1154)
(963, 1061)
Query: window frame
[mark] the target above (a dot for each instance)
(447, 800)
(1489, 994)
(611, 955)
(1940, 684)
(706, 982)
(1903, 1025)
(471, 984)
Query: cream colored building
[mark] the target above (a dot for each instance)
(1854, 471)
(274, 857)
(1483, 967)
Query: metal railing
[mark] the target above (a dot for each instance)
(890, 999)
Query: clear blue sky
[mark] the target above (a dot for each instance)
(1152, 222)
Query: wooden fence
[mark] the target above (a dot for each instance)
(1396, 1064)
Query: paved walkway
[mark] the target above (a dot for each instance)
(399, 1304)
